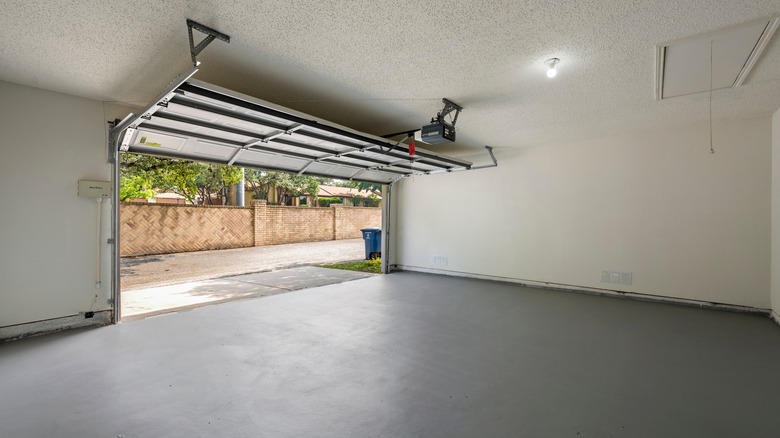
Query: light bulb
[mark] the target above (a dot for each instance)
(551, 63)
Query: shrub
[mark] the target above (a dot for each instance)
(326, 202)
(372, 200)
(357, 201)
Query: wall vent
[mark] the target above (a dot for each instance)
(683, 66)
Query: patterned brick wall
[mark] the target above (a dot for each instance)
(161, 229)
(298, 224)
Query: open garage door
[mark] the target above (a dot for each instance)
(199, 121)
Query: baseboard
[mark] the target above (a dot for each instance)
(775, 316)
(36, 328)
(596, 291)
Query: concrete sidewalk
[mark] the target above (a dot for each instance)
(161, 270)
(144, 302)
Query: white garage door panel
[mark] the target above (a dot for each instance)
(162, 141)
(200, 121)
(211, 150)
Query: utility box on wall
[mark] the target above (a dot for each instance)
(94, 189)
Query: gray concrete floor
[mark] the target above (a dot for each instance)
(403, 355)
(166, 269)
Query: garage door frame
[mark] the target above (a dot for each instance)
(243, 131)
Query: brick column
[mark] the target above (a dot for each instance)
(339, 218)
(259, 222)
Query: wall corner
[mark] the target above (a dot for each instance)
(774, 279)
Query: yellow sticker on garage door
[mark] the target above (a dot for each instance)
(149, 143)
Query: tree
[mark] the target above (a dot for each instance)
(135, 187)
(356, 200)
(372, 200)
(282, 183)
(260, 182)
(141, 175)
(303, 184)
(285, 184)
(370, 187)
(214, 179)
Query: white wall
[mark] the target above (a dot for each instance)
(776, 216)
(48, 142)
(688, 224)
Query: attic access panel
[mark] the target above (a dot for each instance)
(721, 59)
(203, 122)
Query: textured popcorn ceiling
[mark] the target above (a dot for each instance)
(383, 66)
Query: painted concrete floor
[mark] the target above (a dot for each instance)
(149, 301)
(403, 355)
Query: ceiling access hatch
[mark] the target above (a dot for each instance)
(194, 120)
(725, 57)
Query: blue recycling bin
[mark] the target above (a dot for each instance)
(373, 240)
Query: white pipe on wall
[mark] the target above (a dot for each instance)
(97, 243)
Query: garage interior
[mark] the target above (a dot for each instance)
(617, 274)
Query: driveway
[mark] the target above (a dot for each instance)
(141, 303)
(160, 270)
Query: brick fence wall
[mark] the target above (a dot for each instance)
(167, 228)
(298, 224)
(355, 219)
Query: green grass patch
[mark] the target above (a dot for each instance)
(372, 266)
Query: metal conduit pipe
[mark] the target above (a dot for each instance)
(240, 190)
(114, 156)
(386, 217)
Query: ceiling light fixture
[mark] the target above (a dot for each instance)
(550, 63)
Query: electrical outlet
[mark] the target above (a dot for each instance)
(439, 260)
(617, 277)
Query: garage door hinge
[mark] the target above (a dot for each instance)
(110, 301)
(110, 241)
